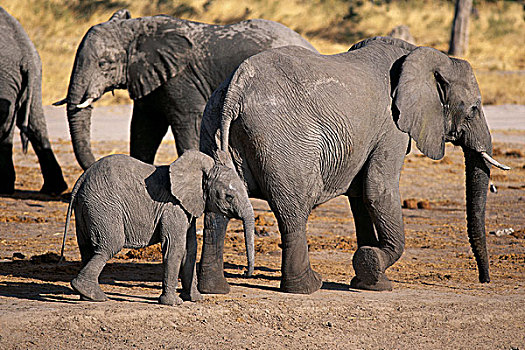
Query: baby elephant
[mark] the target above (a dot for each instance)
(121, 202)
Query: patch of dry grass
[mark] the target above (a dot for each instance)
(497, 31)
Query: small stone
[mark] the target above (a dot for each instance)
(504, 232)
(410, 203)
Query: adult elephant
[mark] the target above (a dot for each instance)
(315, 127)
(21, 105)
(170, 67)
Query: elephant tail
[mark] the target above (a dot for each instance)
(32, 95)
(69, 211)
(232, 105)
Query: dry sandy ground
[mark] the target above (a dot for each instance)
(436, 301)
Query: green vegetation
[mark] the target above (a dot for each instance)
(497, 31)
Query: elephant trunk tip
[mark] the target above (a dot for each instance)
(249, 271)
(484, 276)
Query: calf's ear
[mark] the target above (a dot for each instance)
(186, 180)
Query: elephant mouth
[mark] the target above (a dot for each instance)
(456, 138)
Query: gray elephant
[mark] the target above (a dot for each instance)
(169, 66)
(21, 105)
(315, 127)
(122, 202)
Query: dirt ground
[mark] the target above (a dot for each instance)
(436, 302)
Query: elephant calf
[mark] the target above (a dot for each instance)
(121, 202)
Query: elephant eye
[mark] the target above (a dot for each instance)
(473, 112)
(228, 198)
(105, 65)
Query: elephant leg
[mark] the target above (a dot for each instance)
(173, 228)
(84, 243)
(148, 128)
(7, 168)
(186, 131)
(110, 241)
(54, 182)
(364, 227)
(382, 199)
(86, 283)
(188, 269)
(297, 274)
(211, 272)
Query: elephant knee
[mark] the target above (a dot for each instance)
(393, 253)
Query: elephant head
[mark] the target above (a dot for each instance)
(213, 186)
(437, 100)
(135, 54)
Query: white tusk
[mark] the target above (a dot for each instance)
(494, 162)
(86, 103)
(61, 102)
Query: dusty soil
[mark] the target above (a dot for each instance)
(436, 302)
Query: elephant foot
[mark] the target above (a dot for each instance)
(369, 265)
(88, 290)
(306, 284)
(169, 299)
(383, 284)
(54, 189)
(193, 296)
(212, 283)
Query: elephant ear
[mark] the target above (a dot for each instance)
(186, 180)
(155, 56)
(421, 97)
(121, 14)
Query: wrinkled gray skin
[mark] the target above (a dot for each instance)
(314, 127)
(170, 68)
(21, 105)
(121, 202)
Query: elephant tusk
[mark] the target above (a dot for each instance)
(494, 162)
(86, 103)
(61, 102)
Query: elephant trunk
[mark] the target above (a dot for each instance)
(80, 129)
(477, 182)
(78, 116)
(248, 221)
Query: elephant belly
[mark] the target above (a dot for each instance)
(141, 241)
